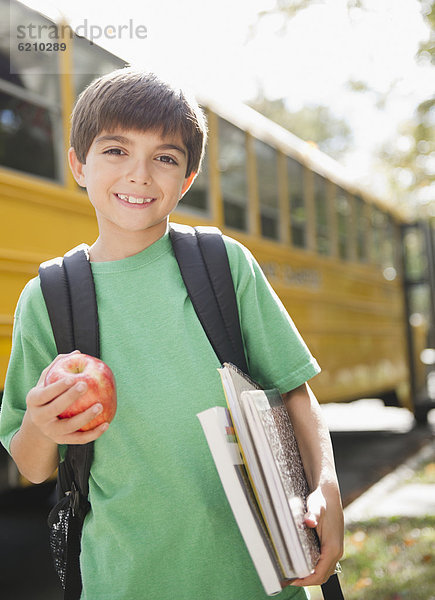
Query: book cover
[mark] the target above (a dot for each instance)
(278, 452)
(269, 449)
(218, 429)
(235, 383)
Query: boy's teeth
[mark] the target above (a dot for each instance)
(134, 200)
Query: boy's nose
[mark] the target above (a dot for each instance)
(140, 173)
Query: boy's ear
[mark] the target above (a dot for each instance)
(76, 167)
(187, 183)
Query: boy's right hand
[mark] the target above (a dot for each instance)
(46, 403)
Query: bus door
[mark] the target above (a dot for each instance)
(418, 247)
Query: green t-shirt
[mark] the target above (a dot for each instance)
(160, 526)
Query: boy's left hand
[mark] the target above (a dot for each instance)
(324, 512)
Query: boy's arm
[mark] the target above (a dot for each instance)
(34, 447)
(324, 510)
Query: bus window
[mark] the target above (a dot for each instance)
(375, 224)
(416, 263)
(91, 61)
(232, 170)
(382, 246)
(388, 256)
(362, 225)
(30, 121)
(321, 214)
(343, 209)
(267, 180)
(298, 216)
(26, 137)
(197, 198)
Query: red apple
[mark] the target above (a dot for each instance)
(100, 386)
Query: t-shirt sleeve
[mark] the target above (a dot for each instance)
(277, 355)
(33, 349)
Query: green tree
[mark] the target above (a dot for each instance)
(427, 48)
(314, 123)
(290, 8)
(311, 123)
(409, 158)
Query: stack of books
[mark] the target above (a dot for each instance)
(256, 455)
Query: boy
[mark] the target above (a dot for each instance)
(160, 527)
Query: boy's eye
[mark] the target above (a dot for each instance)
(114, 151)
(167, 159)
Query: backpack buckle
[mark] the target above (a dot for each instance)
(74, 499)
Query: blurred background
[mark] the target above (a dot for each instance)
(321, 160)
(332, 71)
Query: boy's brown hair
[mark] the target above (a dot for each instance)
(137, 100)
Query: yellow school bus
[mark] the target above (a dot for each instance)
(332, 251)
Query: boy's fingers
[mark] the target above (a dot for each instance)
(316, 506)
(42, 395)
(84, 437)
(73, 424)
(325, 567)
(311, 520)
(321, 574)
(44, 372)
(69, 393)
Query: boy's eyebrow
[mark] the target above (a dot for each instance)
(173, 147)
(112, 138)
(124, 140)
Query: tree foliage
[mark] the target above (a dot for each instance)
(314, 124)
(290, 8)
(411, 156)
(427, 48)
(407, 160)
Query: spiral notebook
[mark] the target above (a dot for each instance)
(275, 482)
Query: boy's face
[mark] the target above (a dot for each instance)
(134, 180)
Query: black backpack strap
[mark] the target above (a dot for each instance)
(54, 286)
(203, 262)
(331, 590)
(69, 293)
(83, 301)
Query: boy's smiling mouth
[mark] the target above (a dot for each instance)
(134, 199)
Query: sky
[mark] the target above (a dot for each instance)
(225, 49)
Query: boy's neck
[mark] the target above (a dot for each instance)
(109, 248)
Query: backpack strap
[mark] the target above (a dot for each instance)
(205, 269)
(54, 286)
(331, 589)
(69, 293)
(84, 309)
